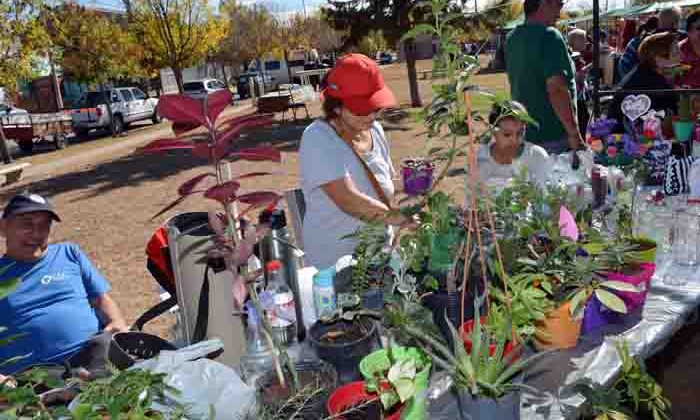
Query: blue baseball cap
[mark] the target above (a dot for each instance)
(28, 203)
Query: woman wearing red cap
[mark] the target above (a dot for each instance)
(345, 164)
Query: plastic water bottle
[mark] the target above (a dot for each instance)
(282, 314)
(258, 358)
(323, 292)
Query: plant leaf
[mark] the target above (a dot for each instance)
(169, 206)
(579, 298)
(201, 150)
(223, 192)
(180, 128)
(188, 187)
(232, 129)
(620, 285)
(259, 198)
(181, 109)
(422, 28)
(257, 154)
(611, 301)
(217, 102)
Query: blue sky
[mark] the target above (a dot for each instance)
(281, 6)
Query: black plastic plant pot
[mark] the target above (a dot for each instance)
(442, 303)
(460, 405)
(313, 376)
(343, 344)
(373, 299)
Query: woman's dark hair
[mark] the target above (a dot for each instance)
(692, 20)
(330, 106)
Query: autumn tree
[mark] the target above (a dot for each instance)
(175, 33)
(91, 47)
(21, 40)
(373, 43)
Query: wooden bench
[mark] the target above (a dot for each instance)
(13, 172)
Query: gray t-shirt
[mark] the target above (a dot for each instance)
(496, 176)
(325, 157)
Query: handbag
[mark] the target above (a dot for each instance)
(676, 177)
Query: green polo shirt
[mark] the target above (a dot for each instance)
(534, 53)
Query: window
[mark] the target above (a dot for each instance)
(213, 85)
(128, 97)
(273, 65)
(193, 86)
(115, 96)
(138, 94)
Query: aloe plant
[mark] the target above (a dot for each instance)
(197, 129)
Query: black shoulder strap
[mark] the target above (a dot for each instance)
(202, 323)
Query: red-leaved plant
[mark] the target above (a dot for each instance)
(196, 128)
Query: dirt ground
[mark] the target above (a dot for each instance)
(107, 193)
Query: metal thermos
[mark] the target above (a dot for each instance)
(278, 245)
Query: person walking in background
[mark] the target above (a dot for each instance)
(542, 77)
(668, 21)
(690, 51)
(578, 42)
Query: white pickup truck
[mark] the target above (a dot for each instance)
(113, 110)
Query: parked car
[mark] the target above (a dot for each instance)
(243, 85)
(200, 89)
(384, 58)
(6, 110)
(127, 105)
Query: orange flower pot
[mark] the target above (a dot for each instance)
(558, 330)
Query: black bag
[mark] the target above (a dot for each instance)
(676, 178)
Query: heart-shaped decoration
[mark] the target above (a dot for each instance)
(634, 106)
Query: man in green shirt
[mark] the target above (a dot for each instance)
(542, 77)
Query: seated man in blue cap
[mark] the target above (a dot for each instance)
(61, 300)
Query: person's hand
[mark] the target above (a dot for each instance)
(575, 144)
(7, 381)
(402, 221)
(117, 326)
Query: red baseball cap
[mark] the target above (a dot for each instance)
(357, 82)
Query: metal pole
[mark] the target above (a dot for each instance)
(303, 5)
(596, 58)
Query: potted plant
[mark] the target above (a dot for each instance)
(417, 175)
(353, 402)
(633, 393)
(399, 375)
(487, 386)
(345, 337)
(683, 122)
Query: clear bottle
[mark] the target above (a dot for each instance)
(323, 292)
(258, 358)
(282, 314)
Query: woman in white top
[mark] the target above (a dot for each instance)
(340, 195)
(505, 156)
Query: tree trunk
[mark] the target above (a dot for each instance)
(177, 72)
(223, 72)
(3, 147)
(286, 63)
(412, 75)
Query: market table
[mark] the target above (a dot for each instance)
(666, 310)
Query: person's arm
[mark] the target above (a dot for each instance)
(113, 317)
(562, 103)
(354, 202)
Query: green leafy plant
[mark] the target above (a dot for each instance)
(634, 391)
(128, 394)
(394, 377)
(529, 303)
(369, 255)
(479, 373)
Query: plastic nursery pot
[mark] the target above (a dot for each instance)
(596, 315)
(559, 330)
(443, 304)
(415, 407)
(352, 395)
(417, 179)
(646, 251)
(466, 332)
(505, 408)
(343, 344)
(320, 375)
(373, 299)
(641, 278)
(683, 130)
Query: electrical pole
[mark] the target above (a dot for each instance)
(303, 6)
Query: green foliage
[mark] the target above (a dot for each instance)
(394, 377)
(634, 392)
(529, 302)
(369, 255)
(479, 373)
(22, 39)
(128, 394)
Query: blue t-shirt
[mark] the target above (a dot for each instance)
(50, 307)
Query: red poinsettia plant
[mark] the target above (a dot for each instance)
(197, 128)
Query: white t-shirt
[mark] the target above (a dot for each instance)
(325, 157)
(496, 176)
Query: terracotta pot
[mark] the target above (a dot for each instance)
(641, 278)
(466, 332)
(351, 395)
(558, 330)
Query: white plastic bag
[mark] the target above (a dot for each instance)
(207, 387)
